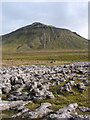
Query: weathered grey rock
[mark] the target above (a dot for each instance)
(86, 82)
(62, 80)
(5, 105)
(81, 86)
(6, 89)
(72, 83)
(19, 108)
(57, 82)
(81, 117)
(20, 113)
(41, 94)
(16, 80)
(84, 109)
(64, 112)
(68, 86)
(49, 95)
(12, 97)
(16, 92)
(39, 112)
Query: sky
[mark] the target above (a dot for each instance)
(69, 15)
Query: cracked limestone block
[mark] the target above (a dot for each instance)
(39, 112)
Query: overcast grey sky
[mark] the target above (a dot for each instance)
(70, 15)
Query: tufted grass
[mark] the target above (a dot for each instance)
(43, 57)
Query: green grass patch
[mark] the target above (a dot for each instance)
(4, 97)
(8, 113)
(64, 57)
(32, 106)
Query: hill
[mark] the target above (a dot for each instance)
(38, 36)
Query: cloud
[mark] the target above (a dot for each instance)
(71, 15)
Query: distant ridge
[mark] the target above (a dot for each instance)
(38, 36)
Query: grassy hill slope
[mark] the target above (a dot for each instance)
(38, 36)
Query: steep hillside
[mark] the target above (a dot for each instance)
(40, 36)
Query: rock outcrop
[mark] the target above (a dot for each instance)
(20, 85)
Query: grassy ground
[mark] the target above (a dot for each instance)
(43, 57)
